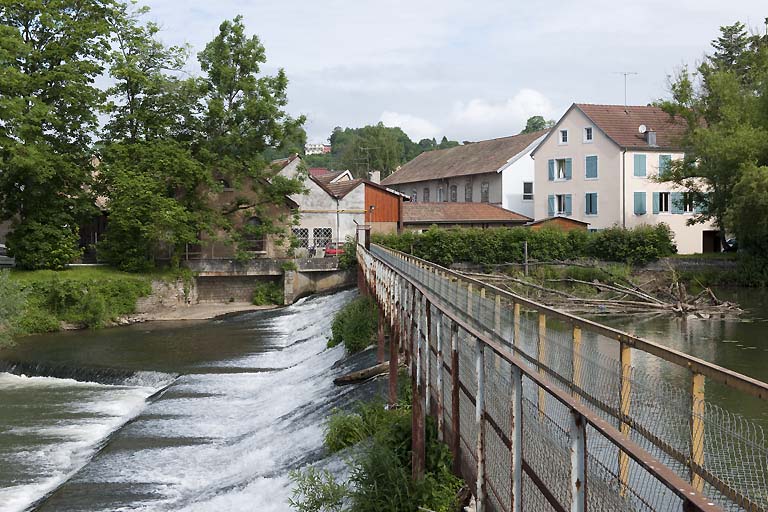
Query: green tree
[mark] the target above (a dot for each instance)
(748, 210)
(727, 119)
(154, 183)
(51, 53)
(536, 123)
(243, 117)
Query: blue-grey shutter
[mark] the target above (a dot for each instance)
(655, 202)
(664, 161)
(568, 168)
(550, 205)
(594, 202)
(640, 203)
(551, 164)
(640, 166)
(698, 206)
(586, 203)
(568, 205)
(676, 198)
(591, 166)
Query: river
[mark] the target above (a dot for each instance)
(246, 407)
(216, 413)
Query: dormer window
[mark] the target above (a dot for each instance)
(563, 136)
(588, 134)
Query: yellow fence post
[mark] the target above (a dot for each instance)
(697, 429)
(625, 398)
(516, 324)
(576, 361)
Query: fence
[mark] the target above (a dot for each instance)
(545, 411)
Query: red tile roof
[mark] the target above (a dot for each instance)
(459, 213)
(621, 124)
(318, 171)
(476, 158)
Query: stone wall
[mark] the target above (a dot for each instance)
(168, 295)
(300, 284)
(229, 288)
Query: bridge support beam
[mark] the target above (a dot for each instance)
(578, 436)
(418, 425)
(455, 409)
(480, 423)
(439, 379)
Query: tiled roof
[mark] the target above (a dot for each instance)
(621, 124)
(342, 188)
(326, 179)
(566, 219)
(318, 171)
(476, 158)
(459, 213)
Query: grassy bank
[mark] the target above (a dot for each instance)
(355, 325)
(82, 296)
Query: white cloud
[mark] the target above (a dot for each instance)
(416, 127)
(483, 119)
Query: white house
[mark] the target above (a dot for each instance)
(496, 171)
(599, 164)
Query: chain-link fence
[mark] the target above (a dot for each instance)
(594, 431)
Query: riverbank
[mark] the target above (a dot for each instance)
(201, 311)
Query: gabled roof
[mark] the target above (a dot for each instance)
(459, 213)
(318, 171)
(477, 158)
(566, 219)
(339, 189)
(621, 125)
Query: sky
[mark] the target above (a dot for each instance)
(467, 70)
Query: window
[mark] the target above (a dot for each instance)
(440, 195)
(322, 236)
(663, 202)
(563, 166)
(640, 203)
(527, 191)
(468, 192)
(253, 238)
(590, 203)
(484, 192)
(688, 206)
(664, 161)
(425, 195)
(640, 162)
(590, 163)
(454, 193)
(414, 196)
(563, 136)
(559, 205)
(302, 237)
(588, 134)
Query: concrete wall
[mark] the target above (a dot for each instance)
(300, 284)
(229, 288)
(520, 169)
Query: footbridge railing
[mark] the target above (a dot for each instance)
(548, 411)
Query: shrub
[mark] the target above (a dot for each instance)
(355, 324)
(348, 259)
(317, 491)
(635, 246)
(266, 293)
(343, 430)
(12, 300)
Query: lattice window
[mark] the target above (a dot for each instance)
(253, 240)
(302, 237)
(322, 236)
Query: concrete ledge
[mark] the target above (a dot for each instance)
(259, 267)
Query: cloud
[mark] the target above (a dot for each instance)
(482, 118)
(416, 127)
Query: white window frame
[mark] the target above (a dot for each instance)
(558, 175)
(560, 201)
(529, 199)
(591, 138)
(688, 206)
(585, 168)
(668, 197)
(585, 206)
(560, 136)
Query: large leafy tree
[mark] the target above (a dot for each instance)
(50, 54)
(725, 104)
(536, 123)
(244, 116)
(154, 183)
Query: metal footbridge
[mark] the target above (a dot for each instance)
(546, 411)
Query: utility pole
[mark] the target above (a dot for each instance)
(626, 74)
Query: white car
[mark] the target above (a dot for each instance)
(5, 260)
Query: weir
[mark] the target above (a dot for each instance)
(548, 411)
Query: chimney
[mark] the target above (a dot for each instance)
(650, 137)
(375, 177)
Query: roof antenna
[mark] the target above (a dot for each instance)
(626, 74)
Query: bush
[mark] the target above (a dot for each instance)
(12, 300)
(267, 293)
(343, 430)
(355, 325)
(348, 259)
(505, 245)
(317, 491)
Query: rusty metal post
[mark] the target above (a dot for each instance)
(427, 355)
(542, 357)
(480, 423)
(455, 409)
(439, 379)
(697, 429)
(380, 337)
(577, 433)
(418, 446)
(625, 398)
(517, 439)
(393, 366)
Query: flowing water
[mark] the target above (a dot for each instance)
(247, 407)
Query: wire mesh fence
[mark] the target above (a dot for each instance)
(576, 392)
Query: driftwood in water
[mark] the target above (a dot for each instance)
(361, 375)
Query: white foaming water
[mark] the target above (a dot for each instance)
(46, 450)
(249, 429)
